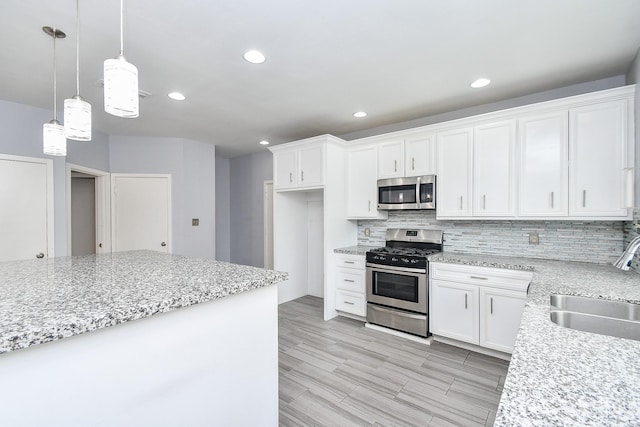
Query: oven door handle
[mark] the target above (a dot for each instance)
(391, 268)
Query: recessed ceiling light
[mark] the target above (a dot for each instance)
(360, 114)
(177, 96)
(254, 57)
(264, 142)
(480, 83)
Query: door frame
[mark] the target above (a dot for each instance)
(266, 225)
(50, 196)
(115, 176)
(103, 207)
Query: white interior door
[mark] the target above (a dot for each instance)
(26, 208)
(141, 212)
(315, 248)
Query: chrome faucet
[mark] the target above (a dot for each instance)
(624, 262)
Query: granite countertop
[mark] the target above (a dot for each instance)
(355, 250)
(560, 376)
(55, 298)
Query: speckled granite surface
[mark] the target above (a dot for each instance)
(355, 250)
(46, 300)
(563, 377)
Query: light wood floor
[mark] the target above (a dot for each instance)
(339, 373)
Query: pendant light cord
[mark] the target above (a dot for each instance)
(78, 47)
(122, 27)
(55, 87)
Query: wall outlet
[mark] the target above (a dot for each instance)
(195, 222)
(534, 239)
(367, 232)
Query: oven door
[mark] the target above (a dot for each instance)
(397, 287)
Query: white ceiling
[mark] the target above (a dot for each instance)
(398, 60)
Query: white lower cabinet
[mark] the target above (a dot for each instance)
(350, 284)
(477, 305)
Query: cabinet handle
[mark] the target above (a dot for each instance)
(413, 163)
(552, 200)
(290, 176)
(347, 302)
(491, 300)
(301, 176)
(465, 301)
(484, 202)
(369, 205)
(395, 166)
(584, 198)
(460, 202)
(349, 262)
(479, 277)
(349, 280)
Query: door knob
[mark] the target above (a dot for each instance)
(40, 255)
(163, 244)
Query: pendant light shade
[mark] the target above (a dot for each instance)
(77, 111)
(121, 81)
(54, 140)
(121, 88)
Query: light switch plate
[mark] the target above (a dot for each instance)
(534, 239)
(367, 232)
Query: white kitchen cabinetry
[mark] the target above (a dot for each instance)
(477, 305)
(391, 159)
(362, 187)
(455, 161)
(420, 155)
(302, 167)
(598, 158)
(494, 180)
(544, 172)
(350, 284)
(455, 312)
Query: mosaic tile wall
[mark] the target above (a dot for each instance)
(589, 241)
(631, 232)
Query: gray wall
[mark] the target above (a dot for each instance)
(223, 210)
(192, 166)
(248, 174)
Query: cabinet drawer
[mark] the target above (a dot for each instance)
(350, 261)
(350, 302)
(501, 278)
(350, 279)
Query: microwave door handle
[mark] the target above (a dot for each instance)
(418, 200)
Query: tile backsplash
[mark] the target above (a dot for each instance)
(586, 241)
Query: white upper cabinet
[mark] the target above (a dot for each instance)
(362, 187)
(300, 167)
(544, 172)
(391, 159)
(493, 170)
(420, 155)
(598, 160)
(454, 181)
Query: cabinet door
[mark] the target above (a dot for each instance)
(311, 166)
(494, 159)
(597, 153)
(420, 155)
(391, 159)
(284, 164)
(500, 315)
(455, 160)
(454, 310)
(362, 187)
(543, 165)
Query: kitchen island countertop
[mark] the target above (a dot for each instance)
(55, 298)
(560, 376)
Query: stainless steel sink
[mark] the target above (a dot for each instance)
(613, 318)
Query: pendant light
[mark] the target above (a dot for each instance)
(54, 141)
(121, 81)
(77, 111)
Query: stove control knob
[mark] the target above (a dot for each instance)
(394, 259)
(405, 260)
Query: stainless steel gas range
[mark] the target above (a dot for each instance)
(397, 280)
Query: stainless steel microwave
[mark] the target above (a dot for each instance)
(416, 192)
